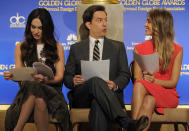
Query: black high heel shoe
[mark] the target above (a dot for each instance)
(133, 125)
(138, 125)
(142, 123)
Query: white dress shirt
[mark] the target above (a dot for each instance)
(91, 47)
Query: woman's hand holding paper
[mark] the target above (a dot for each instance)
(148, 76)
(7, 75)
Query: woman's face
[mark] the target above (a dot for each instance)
(148, 26)
(36, 29)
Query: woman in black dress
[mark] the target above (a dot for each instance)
(37, 99)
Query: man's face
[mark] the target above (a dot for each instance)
(98, 26)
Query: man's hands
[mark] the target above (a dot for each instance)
(78, 80)
(111, 85)
(148, 76)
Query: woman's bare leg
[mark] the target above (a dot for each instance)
(147, 108)
(26, 110)
(139, 92)
(41, 115)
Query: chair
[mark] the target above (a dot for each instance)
(131, 68)
(171, 115)
(78, 115)
(56, 123)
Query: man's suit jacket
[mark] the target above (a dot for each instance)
(113, 50)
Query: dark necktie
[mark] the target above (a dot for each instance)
(96, 53)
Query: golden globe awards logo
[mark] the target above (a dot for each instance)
(59, 5)
(17, 21)
(5, 67)
(184, 69)
(71, 39)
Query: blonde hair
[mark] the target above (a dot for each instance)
(163, 35)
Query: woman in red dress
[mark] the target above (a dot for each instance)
(155, 91)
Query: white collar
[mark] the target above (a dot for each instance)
(92, 40)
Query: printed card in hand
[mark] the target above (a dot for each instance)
(91, 69)
(149, 63)
(43, 69)
(22, 74)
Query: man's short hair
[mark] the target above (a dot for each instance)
(88, 14)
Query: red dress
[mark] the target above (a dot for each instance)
(165, 98)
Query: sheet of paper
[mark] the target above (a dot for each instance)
(23, 74)
(149, 63)
(91, 69)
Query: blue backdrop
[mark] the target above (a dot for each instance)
(13, 20)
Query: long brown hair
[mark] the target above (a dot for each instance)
(163, 35)
(29, 46)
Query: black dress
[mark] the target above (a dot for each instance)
(53, 97)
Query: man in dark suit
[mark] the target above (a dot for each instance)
(104, 97)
